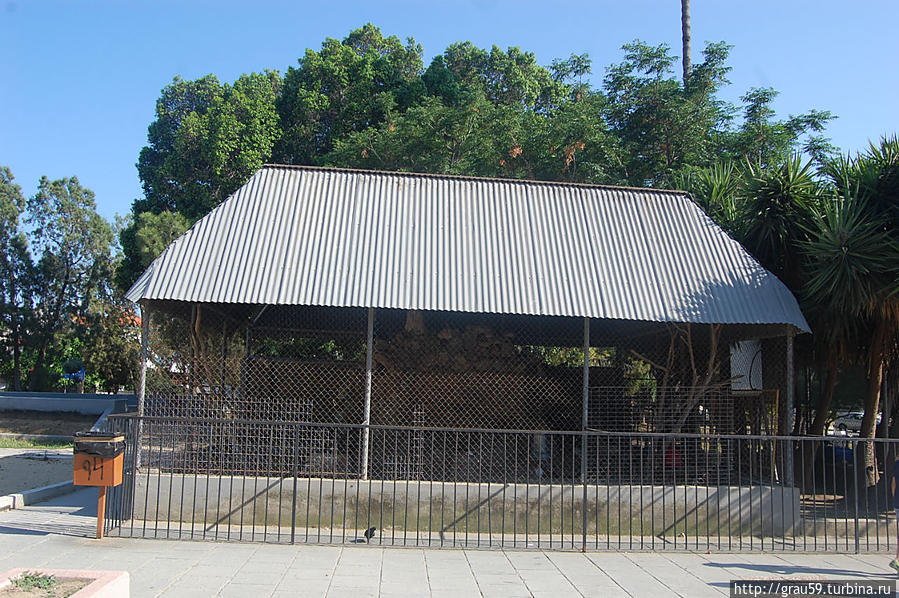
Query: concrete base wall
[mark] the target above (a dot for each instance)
(493, 508)
(85, 404)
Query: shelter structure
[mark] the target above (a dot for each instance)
(361, 298)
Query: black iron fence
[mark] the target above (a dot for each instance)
(275, 481)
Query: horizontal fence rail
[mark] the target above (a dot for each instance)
(289, 482)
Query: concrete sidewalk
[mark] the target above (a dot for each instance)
(57, 534)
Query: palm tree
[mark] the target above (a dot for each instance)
(834, 340)
(853, 268)
(718, 191)
(777, 200)
(685, 36)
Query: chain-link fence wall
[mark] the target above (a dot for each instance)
(436, 369)
(443, 370)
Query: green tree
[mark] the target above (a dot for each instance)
(112, 342)
(143, 239)
(206, 141)
(665, 127)
(777, 199)
(764, 140)
(480, 138)
(73, 245)
(432, 137)
(159, 166)
(345, 87)
(854, 262)
(508, 78)
(718, 190)
(15, 270)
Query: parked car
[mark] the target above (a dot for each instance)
(850, 422)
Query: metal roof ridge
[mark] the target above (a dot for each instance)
(463, 177)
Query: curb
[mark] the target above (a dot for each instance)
(36, 495)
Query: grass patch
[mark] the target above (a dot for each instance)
(29, 581)
(35, 584)
(30, 443)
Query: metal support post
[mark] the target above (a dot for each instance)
(224, 355)
(586, 399)
(369, 341)
(585, 385)
(789, 404)
(142, 381)
(101, 511)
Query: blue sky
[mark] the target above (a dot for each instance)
(80, 79)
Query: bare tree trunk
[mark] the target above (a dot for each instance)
(16, 356)
(886, 407)
(47, 333)
(872, 402)
(685, 33)
(38, 365)
(415, 322)
(16, 329)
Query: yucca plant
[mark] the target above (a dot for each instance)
(853, 262)
(717, 190)
(777, 201)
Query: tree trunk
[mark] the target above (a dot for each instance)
(798, 422)
(16, 356)
(872, 402)
(15, 327)
(52, 323)
(415, 322)
(38, 365)
(886, 407)
(830, 383)
(685, 32)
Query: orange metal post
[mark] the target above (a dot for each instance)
(101, 511)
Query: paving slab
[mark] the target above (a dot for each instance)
(58, 534)
(240, 590)
(629, 576)
(671, 575)
(697, 566)
(585, 576)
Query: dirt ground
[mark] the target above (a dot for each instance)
(25, 469)
(39, 422)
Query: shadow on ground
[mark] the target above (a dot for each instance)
(798, 571)
(73, 514)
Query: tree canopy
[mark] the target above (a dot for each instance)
(60, 306)
(824, 223)
(368, 101)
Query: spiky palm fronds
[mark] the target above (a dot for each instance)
(777, 199)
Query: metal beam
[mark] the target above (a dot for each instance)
(369, 341)
(259, 315)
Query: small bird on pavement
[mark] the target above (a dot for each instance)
(369, 534)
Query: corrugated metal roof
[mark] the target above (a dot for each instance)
(316, 236)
